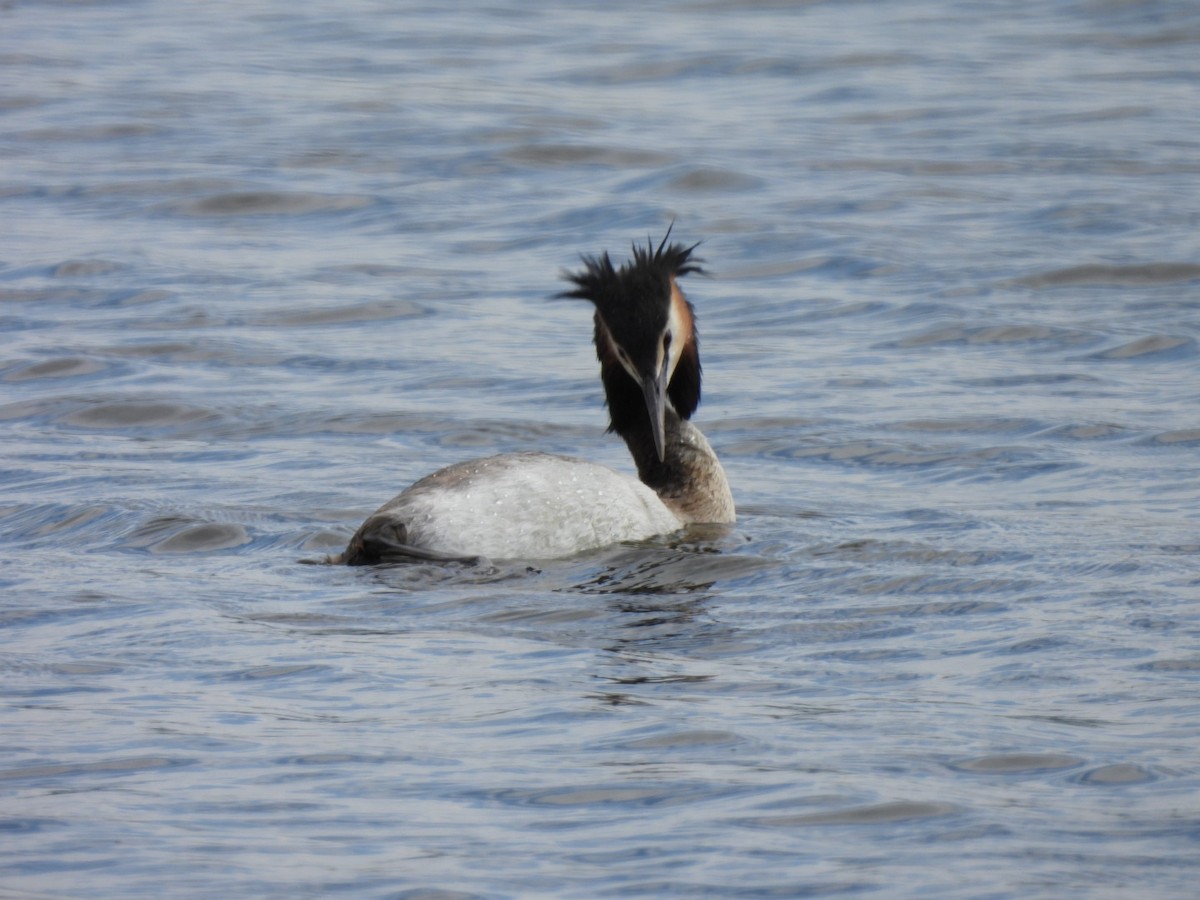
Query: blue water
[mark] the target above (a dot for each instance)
(266, 264)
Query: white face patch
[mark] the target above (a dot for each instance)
(619, 352)
(679, 330)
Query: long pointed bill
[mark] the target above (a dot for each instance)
(655, 392)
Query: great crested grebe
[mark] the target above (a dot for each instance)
(541, 506)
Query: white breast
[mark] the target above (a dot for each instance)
(527, 506)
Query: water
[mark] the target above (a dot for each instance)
(265, 265)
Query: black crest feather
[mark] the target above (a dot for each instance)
(633, 300)
(601, 282)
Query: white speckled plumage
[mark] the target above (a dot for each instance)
(526, 506)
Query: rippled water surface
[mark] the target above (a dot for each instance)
(265, 264)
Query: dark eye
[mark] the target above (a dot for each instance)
(666, 342)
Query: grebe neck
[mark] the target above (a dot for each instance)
(690, 479)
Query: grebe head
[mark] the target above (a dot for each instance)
(645, 335)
